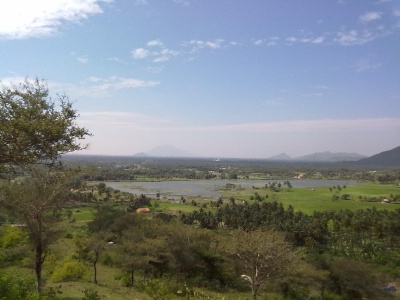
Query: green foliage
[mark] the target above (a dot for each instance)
(90, 294)
(104, 217)
(160, 288)
(171, 260)
(11, 236)
(33, 128)
(138, 202)
(355, 279)
(69, 271)
(16, 288)
(14, 244)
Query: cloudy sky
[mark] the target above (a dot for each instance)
(215, 78)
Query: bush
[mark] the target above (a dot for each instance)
(16, 288)
(69, 271)
(161, 287)
(12, 236)
(90, 294)
(14, 245)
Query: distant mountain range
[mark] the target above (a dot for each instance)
(390, 158)
(386, 158)
(320, 157)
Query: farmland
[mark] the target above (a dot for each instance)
(182, 249)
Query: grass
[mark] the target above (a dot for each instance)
(306, 199)
(109, 287)
(320, 198)
(82, 214)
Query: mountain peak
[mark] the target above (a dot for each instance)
(328, 156)
(385, 158)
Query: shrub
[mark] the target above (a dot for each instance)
(16, 288)
(160, 287)
(12, 236)
(69, 271)
(90, 294)
(14, 245)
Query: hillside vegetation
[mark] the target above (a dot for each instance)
(65, 234)
(340, 242)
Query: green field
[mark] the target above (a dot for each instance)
(82, 214)
(305, 199)
(320, 198)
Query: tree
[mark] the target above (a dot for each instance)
(355, 279)
(32, 128)
(260, 255)
(89, 248)
(141, 246)
(35, 201)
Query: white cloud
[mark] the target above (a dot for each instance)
(353, 37)
(83, 59)
(305, 39)
(14, 80)
(140, 2)
(182, 2)
(92, 87)
(25, 19)
(154, 43)
(291, 39)
(318, 40)
(294, 126)
(200, 44)
(366, 64)
(97, 87)
(124, 119)
(118, 133)
(118, 83)
(165, 55)
(115, 59)
(258, 42)
(370, 16)
(140, 53)
(396, 13)
(94, 79)
(158, 55)
(324, 125)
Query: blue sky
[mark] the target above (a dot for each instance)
(215, 78)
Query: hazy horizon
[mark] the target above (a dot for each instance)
(240, 79)
(168, 151)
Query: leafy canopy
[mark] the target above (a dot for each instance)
(33, 128)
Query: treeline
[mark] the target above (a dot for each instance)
(369, 235)
(135, 168)
(328, 255)
(260, 246)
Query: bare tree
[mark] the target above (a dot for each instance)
(260, 255)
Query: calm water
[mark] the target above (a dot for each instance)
(209, 188)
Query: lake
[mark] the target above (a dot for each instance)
(209, 188)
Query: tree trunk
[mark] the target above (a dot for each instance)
(95, 271)
(254, 291)
(38, 267)
(132, 277)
